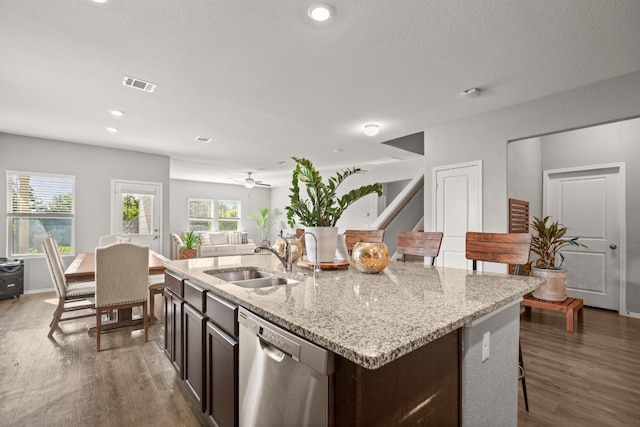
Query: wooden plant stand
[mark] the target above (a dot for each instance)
(568, 307)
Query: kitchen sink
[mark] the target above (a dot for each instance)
(251, 278)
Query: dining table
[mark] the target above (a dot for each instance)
(83, 269)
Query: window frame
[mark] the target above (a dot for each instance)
(13, 214)
(237, 220)
(213, 213)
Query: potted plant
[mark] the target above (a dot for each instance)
(190, 242)
(265, 218)
(546, 242)
(322, 207)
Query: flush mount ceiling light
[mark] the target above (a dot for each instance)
(116, 113)
(470, 93)
(320, 12)
(371, 129)
(110, 129)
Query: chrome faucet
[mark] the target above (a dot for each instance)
(316, 267)
(286, 260)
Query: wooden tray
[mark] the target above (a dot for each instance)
(325, 265)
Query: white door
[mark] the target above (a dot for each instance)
(457, 208)
(589, 201)
(137, 212)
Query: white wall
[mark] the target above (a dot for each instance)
(524, 173)
(250, 199)
(94, 168)
(485, 138)
(362, 213)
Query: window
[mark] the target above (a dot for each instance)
(228, 215)
(201, 213)
(38, 205)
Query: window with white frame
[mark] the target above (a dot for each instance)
(39, 205)
(228, 215)
(201, 215)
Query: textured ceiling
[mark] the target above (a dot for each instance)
(266, 83)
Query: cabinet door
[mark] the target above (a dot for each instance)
(173, 329)
(194, 353)
(222, 377)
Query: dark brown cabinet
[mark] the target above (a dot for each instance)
(222, 377)
(194, 355)
(173, 307)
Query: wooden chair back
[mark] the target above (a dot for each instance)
(420, 243)
(351, 237)
(507, 248)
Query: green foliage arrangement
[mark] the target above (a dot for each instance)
(190, 240)
(265, 218)
(547, 242)
(322, 207)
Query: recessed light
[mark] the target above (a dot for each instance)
(471, 93)
(320, 12)
(202, 139)
(100, 1)
(110, 129)
(371, 129)
(117, 113)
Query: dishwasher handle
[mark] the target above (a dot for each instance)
(272, 351)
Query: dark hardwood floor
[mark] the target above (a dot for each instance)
(63, 381)
(588, 378)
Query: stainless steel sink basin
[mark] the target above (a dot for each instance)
(234, 276)
(251, 278)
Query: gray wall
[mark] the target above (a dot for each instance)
(182, 191)
(485, 138)
(94, 168)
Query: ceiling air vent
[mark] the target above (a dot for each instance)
(139, 84)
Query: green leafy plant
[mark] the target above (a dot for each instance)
(265, 218)
(547, 241)
(190, 240)
(322, 207)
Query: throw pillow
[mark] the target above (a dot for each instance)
(234, 237)
(218, 238)
(204, 239)
(245, 238)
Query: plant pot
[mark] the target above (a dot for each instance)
(370, 257)
(327, 243)
(188, 253)
(555, 286)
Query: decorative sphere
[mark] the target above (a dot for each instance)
(370, 257)
(294, 246)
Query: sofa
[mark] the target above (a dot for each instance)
(224, 243)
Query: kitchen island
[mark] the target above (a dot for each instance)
(396, 335)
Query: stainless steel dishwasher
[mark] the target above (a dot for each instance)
(284, 379)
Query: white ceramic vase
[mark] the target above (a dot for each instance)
(327, 238)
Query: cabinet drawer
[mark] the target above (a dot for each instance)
(223, 313)
(174, 283)
(194, 295)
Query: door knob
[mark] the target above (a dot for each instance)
(612, 246)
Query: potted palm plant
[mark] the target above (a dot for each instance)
(322, 207)
(190, 242)
(265, 218)
(546, 242)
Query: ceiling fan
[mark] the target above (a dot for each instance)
(250, 182)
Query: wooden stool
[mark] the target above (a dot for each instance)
(568, 307)
(154, 289)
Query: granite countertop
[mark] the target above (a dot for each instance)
(369, 319)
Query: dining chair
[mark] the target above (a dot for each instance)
(506, 248)
(156, 287)
(110, 239)
(74, 296)
(420, 243)
(122, 281)
(351, 237)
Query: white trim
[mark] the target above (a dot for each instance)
(622, 208)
